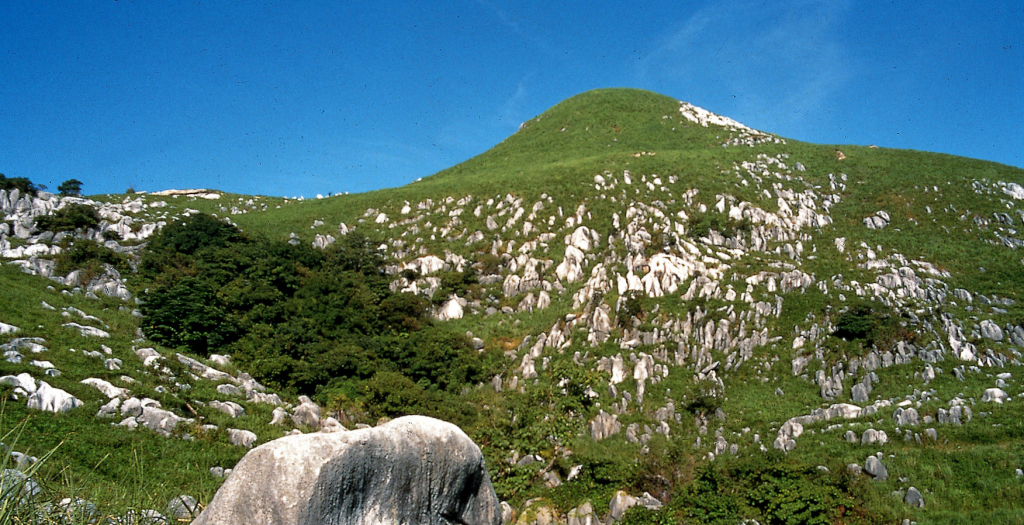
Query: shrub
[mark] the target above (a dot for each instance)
(88, 255)
(188, 315)
(196, 232)
(70, 187)
(70, 218)
(872, 324)
(22, 184)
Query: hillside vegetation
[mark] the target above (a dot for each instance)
(641, 311)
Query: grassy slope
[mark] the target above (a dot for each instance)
(558, 153)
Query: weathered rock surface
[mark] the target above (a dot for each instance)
(412, 470)
(875, 467)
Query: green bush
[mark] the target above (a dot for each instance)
(304, 320)
(70, 187)
(22, 184)
(872, 324)
(188, 315)
(70, 218)
(89, 256)
(794, 495)
(196, 232)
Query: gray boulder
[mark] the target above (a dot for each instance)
(859, 393)
(159, 420)
(875, 467)
(412, 470)
(990, 330)
(906, 416)
(914, 498)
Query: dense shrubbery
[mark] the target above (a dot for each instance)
(316, 322)
(872, 324)
(70, 218)
(89, 256)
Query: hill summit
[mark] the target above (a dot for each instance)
(602, 125)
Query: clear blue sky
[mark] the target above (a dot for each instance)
(299, 98)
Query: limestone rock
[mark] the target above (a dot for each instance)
(108, 389)
(241, 438)
(87, 331)
(229, 390)
(508, 514)
(412, 470)
(22, 381)
(990, 330)
(604, 425)
(621, 502)
(183, 507)
(994, 395)
(279, 416)
(583, 515)
(914, 498)
(228, 407)
(307, 414)
(161, 421)
(50, 399)
(906, 416)
(875, 467)
(874, 437)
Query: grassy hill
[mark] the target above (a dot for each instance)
(665, 301)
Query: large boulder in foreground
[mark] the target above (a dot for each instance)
(412, 470)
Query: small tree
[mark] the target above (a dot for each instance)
(21, 184)
(70, 187)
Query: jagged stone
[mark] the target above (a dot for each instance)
(229, 390)
(906, 416)
(990, 330)
(874, 437)
(582, 515)
(228, 407)
(278, 416)
(161, 421)
(604, 425)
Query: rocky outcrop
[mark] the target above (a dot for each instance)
(412, 470)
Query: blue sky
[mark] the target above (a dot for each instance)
(300, 98)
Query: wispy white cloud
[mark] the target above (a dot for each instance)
(776, 63)
(514, 23)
